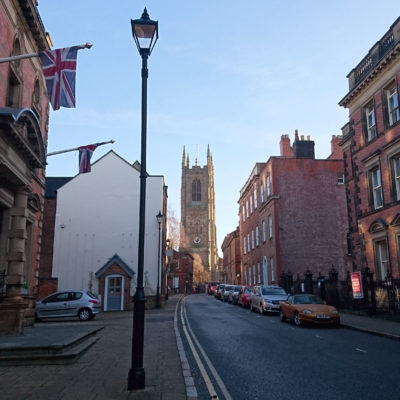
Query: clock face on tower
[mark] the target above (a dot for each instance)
(196, 240)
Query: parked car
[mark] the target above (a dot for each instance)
(234, 293)
(308, 308)
(267, 298)
(217, 291)
(225, 292)
(244, 296)
(211, 287)
(71, 303)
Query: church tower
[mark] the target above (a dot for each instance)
(198, 233)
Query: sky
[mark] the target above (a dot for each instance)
(231, 74)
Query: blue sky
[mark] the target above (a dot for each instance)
(232, 74)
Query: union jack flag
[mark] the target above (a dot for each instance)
(59, 69)
(85, 154)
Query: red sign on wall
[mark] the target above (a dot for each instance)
(356, 284)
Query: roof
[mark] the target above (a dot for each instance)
(53, 184)
(115, 259)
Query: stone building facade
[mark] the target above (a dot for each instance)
(198, 232)
(24, 116)
(371, 150)
(293, 215)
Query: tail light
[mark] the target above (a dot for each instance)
(93, 301)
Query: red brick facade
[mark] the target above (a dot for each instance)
(231, 272)
(371, 148)
(293, 215)
(180, 272)
(23, 129)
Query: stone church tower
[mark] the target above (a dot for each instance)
(198, 233)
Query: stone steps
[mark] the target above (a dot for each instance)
(48, 345)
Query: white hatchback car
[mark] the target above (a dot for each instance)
(70, 303)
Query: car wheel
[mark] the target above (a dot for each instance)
(296, 319)
(37, 319)
(84, 314)
(282, 316)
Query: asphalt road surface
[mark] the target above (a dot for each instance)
(238, 354)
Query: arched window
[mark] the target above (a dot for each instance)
(196, 190)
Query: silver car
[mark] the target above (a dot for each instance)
(225, 292)
(70, 303)
(267, 298)
(234, 294)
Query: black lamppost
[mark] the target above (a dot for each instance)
(145, 34)
(159, 217)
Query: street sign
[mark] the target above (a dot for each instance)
(356, 284)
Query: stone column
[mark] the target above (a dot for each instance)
(13, 306)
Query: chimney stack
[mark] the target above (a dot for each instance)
(286, 150)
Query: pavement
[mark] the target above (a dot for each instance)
(101, 371)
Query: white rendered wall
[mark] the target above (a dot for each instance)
(98, 216)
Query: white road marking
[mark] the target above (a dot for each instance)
(361, 350)
(207, 380)
(319, 337)
(217, 378)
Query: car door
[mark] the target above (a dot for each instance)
(56, 305)
(76, 302)
(289, 308)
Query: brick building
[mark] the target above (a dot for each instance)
(47, 283)
(24, 116)
(371, 150)
(231, 270)
(293, 215)
(180, 276)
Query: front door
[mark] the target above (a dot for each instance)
(114, 293)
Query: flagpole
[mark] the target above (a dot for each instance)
(31, 55)
(77, 148)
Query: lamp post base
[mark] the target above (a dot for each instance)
(136, 379)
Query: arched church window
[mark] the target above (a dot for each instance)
(196, 190)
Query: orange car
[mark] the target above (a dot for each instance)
(303, 308)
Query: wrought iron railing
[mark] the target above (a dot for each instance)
(378, 296)
(2, 283)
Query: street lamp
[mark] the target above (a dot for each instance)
(159, 217)
(145, 34)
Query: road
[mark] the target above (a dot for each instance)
(237, 354)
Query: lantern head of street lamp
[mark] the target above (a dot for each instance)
(145, 33)
(159, 217)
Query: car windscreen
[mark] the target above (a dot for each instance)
(273, 291)
(90, 294)
(307, 300)
(228, 287)
(237, 288)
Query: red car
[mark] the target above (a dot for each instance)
(211, 287)
(244, 296)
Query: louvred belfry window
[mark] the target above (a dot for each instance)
(196, 190)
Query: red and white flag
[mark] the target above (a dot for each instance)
(85, 154)
(59, 69)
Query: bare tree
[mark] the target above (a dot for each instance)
(173, 229)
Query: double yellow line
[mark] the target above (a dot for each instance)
(191, 337)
